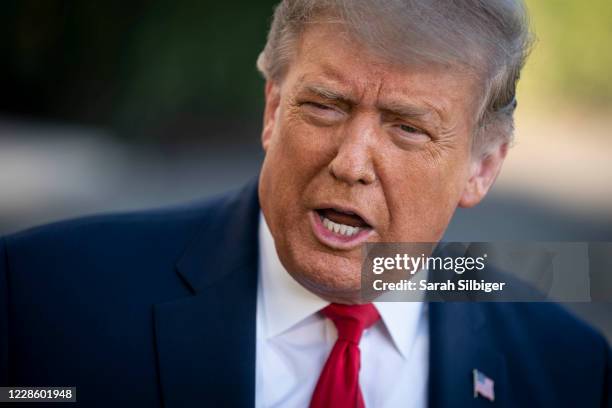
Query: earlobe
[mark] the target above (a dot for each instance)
(272, 96)
(483, 174)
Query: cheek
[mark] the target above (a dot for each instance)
(310, 146)
(422, 193)
(296, 155)
(300, 154)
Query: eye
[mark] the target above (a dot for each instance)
(317, 105)
(409, 129)
(413, 134)
(319, 112)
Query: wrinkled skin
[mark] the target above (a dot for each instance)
(344, 127)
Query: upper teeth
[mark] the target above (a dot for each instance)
(341, 229)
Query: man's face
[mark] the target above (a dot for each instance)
(358, 150)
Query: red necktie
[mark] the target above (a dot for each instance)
(338, 384)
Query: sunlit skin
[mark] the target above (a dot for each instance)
(346, 129)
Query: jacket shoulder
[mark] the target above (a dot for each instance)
(545, 340)
(547, 336)
(114, 228)
(129, 245)
(547, 320)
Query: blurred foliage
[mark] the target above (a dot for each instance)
(154, 69)
(195, 58)
(572, 57)
(165, 69)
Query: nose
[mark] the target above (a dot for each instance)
(353, 161)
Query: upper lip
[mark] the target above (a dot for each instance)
(345, 208)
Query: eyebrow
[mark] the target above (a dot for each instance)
(397, 108)
(327, 93)
(408, 110)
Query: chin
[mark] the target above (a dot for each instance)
(330, 276)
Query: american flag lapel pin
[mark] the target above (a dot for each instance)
(483, 386)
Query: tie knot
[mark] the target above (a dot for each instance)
(351, 320)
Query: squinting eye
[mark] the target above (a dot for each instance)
(414, 134)
(318, 105)
(322, 114)
(409, 129)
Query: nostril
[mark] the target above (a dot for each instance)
(352, 174)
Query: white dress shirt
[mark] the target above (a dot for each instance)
(294, 341)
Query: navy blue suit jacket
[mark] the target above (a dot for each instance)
(158, 308)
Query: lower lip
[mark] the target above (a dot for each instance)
(337, 241)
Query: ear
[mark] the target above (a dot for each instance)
(483, 173)
(270, 113)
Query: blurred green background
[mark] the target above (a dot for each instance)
(149, 70)
(571, 64)
(165, 70)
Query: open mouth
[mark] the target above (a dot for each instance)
(343, 223)
(340, 229)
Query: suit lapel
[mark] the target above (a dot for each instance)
(206, 342)
(460, 343)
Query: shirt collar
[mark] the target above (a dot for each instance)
(402, 322)
(286, 303)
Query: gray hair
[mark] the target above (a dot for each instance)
(489, 37)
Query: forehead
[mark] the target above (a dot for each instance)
(327, 56)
